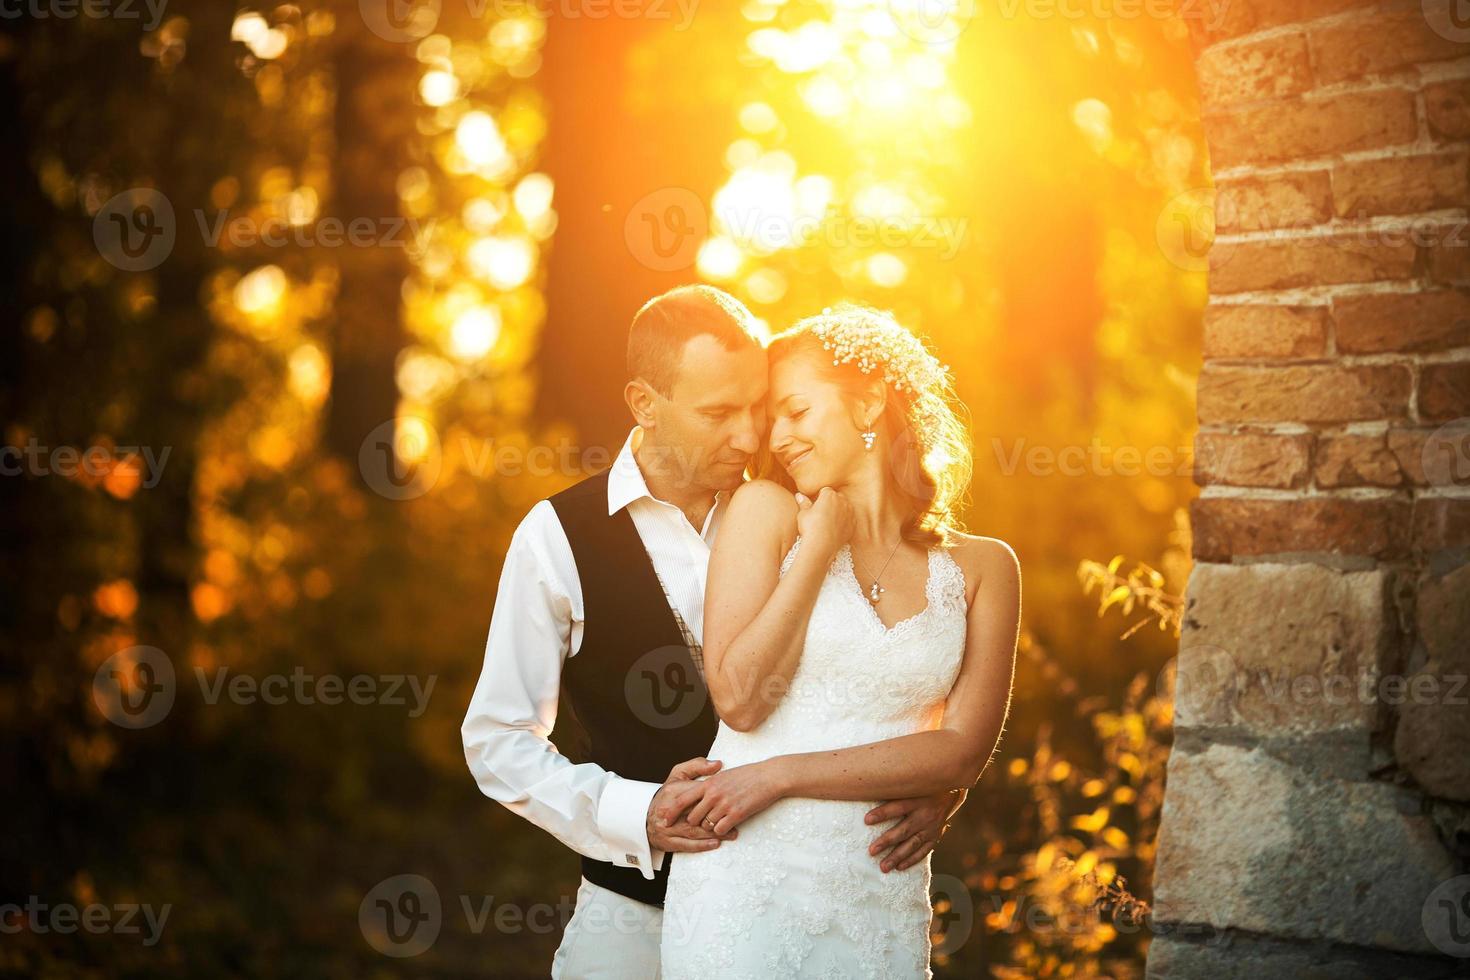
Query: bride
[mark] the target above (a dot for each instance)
(857, 648)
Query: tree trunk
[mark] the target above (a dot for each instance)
(374, 127)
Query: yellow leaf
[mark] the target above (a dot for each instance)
(1093, 822)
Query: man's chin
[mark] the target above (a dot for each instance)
(728, 477)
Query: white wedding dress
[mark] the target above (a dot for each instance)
(797, 894)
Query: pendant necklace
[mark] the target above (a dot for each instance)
(875, 591)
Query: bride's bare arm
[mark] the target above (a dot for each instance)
(754, 619)
(951, 756)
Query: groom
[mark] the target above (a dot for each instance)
(602, 596)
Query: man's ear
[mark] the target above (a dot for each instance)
(642, 402)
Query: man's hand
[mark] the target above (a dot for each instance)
(922, 821)
(680, 835)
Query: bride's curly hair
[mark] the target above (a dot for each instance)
(922, 427)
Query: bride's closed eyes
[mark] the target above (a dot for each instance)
(792, 407)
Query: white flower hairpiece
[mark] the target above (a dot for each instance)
(876, 340)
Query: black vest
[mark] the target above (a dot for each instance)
(632, 685)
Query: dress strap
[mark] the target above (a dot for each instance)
(946, 580)
(791, 555)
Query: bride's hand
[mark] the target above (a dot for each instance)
(729, 798)
(668, 827)
(825, 524)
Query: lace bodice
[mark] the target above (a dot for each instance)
(858, 680)
(798, 894)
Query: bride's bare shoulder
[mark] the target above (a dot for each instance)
(763, 498)
(988, 563)
(762, 505)
(760, 520)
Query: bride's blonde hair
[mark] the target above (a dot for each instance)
(927, 442)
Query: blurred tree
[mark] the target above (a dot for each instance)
(107, 358)
(374, 126)
(632, 139)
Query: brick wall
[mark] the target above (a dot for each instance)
(1319, 789)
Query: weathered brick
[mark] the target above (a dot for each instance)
(1308, 128)
(1269, 69)
(1298, 199)
(1438, 457)
(1303, 393)
(1210, 21)
(1316, 260)
(1356, 461)
(1256, 636)
(1252, 459)
(1444, 391)
(1401, 185)
(1449, 255)
(1392, 39)
(1402, 321)
(1258, 330)
(1253, 843)
(1230, 527)
(1195, 952)
(1440, 523)
(1408, 448)
(1433, 736)
(1447, 109)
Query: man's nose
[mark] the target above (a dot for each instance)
(747, 438)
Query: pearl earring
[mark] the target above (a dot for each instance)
(868, 438)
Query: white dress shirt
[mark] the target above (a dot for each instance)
(537, 623)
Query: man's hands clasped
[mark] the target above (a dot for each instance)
(677, 815)
(670, 830)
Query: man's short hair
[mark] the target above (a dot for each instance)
(669, 321)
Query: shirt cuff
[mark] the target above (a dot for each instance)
(622, 820)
